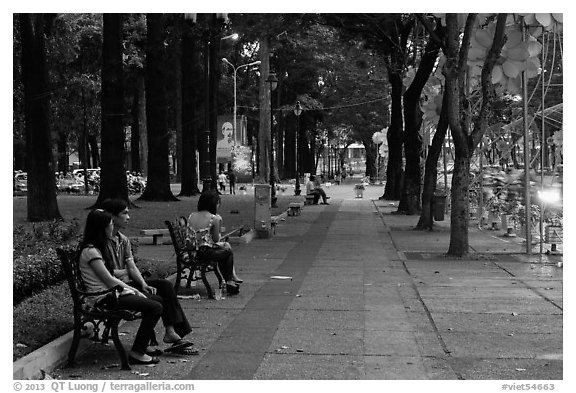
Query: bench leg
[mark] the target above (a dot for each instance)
(191, 272)
(75, 340)
(118, 345)
(178, 278)
(206, 283)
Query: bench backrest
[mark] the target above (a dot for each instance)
(178, 233)
(70, 260)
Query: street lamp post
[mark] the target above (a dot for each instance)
(225, 60)
(297, 112)
(273, 81)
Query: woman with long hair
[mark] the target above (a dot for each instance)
(97, 273)
(204, 225)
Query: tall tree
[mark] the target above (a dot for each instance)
(113, 183)
(465, 137)
(158, 182)
(191, 115)
(41, 201)
(410, 198)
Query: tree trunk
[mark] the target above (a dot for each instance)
(158, 182)
(62, 153)
(41, 201)
(370, 158)
(177, 70)
(264, 99)
(213, 80)
(135, 132)
(113, 182)
(431, 171)
(459, 206)
(190, 114)
(142, 124)
(394, 171)
(93, 145)
(410, 202)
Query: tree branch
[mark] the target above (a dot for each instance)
(487, 86)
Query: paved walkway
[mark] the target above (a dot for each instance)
(368, 298)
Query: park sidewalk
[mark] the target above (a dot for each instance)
(364, 297)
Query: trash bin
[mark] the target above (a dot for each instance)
(438, 207)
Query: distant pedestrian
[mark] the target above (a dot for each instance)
(222, 181)
(232, 180)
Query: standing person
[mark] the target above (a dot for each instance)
(205, 226)
(222, 181)
(232, 180)
(97, 272)
(120, 251)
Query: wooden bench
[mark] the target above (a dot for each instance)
(155, 233)
(187, 261)
(295, 208)
(85, 312)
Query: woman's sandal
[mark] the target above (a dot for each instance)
(154, 352)
(133, 360)
(179, 345)
(232, 289)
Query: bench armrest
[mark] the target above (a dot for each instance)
(118, 288)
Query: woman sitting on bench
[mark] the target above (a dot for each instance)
(97, 273)
(205, 226)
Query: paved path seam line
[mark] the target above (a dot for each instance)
(426, 310)
(220, 361)
(530, 287)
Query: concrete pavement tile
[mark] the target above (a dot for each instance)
(494, 305)
(497, 323)
(323, 319)
(399, 321)
(327, 302)
(317, 341)
(310, 367)
(439, 367)
(376, 298)
(352, 289)
(538, 271)
(515, 291)
(501, 345)
(429, 344)
(512, 370)
(469, 282)
(394, 343)
(395, 368)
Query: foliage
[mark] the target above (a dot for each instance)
(36, 265)
(41, 318)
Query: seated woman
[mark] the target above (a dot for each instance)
(119, 252)
(205, 226)
(97, 272)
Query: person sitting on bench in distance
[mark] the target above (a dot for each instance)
(312, 189)
(205, 226)
(119, 250)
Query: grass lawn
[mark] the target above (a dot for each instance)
(236, 210)
(47, 315)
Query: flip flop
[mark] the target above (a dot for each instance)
(154, 352)
(186, 351)
(132, 360)
(179, 345)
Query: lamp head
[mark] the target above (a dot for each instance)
(273, 80)
(298, 109)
